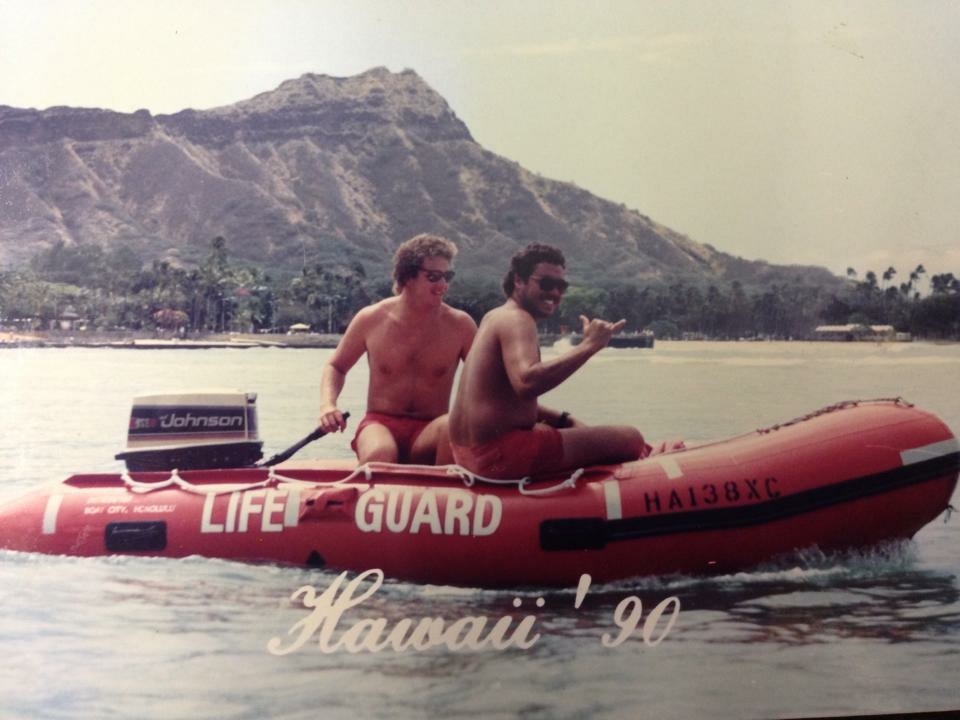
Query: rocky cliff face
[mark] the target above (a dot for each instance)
(321, 169)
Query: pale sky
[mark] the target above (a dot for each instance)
(798, 132)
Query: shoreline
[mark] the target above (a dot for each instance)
(327, 341)
(124, 341)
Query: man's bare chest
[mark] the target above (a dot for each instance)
(424, 351)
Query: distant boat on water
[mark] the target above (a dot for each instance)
(643, 339)
(632, 340)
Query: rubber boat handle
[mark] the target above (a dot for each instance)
(286, 454)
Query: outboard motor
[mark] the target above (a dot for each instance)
(196, 431)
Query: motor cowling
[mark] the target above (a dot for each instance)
(193, 431)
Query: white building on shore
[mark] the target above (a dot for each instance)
(854, 331)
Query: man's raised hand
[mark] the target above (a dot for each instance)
(598, 332)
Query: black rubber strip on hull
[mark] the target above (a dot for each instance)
(594, 533)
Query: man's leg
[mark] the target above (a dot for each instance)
(432, 446)
(600, 445)
(376, 444)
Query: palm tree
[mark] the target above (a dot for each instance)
(915, 279)
(944, 283)
(888, 274)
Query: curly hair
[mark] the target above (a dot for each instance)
(524, 261)
(409, 257)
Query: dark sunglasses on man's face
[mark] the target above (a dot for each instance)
(549, 284)
(435, 276)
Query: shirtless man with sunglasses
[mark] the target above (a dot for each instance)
(497, 427)
(413, 342)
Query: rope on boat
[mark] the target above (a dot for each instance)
(364, 470)
(176, 481)
(471, 478)
(842, 405)
(274, 479)
(569, 484)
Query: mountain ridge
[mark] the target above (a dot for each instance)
(318, 170)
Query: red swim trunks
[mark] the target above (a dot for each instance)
(517, 454)
(405, 430)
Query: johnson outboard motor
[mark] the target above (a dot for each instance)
(196, 431)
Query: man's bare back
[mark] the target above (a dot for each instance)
(494, 405)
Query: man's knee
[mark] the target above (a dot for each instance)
(622, 443)
(432, 446)
(377, 453)
(628, 441)
(635, 442)
(376, 444)
(602, 444)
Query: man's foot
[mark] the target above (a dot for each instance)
(663, 447)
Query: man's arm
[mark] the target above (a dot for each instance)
(468, 329)
(557, 418)
(530, 376)
(350, 348)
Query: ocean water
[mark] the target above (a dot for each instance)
(868, 632)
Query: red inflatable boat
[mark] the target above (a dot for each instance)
(848, 476)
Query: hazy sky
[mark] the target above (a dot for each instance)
(798, 132)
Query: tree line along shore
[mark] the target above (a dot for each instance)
(84, 294)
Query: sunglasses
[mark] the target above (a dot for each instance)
(549, 284)
(435, 276)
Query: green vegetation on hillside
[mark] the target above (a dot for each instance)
(108, 290)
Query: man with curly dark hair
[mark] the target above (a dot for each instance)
(414, 343)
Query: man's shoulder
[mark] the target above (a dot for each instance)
(369, 318)
(505, 322)
(377, 310)
(457, 316)
(510, 314)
